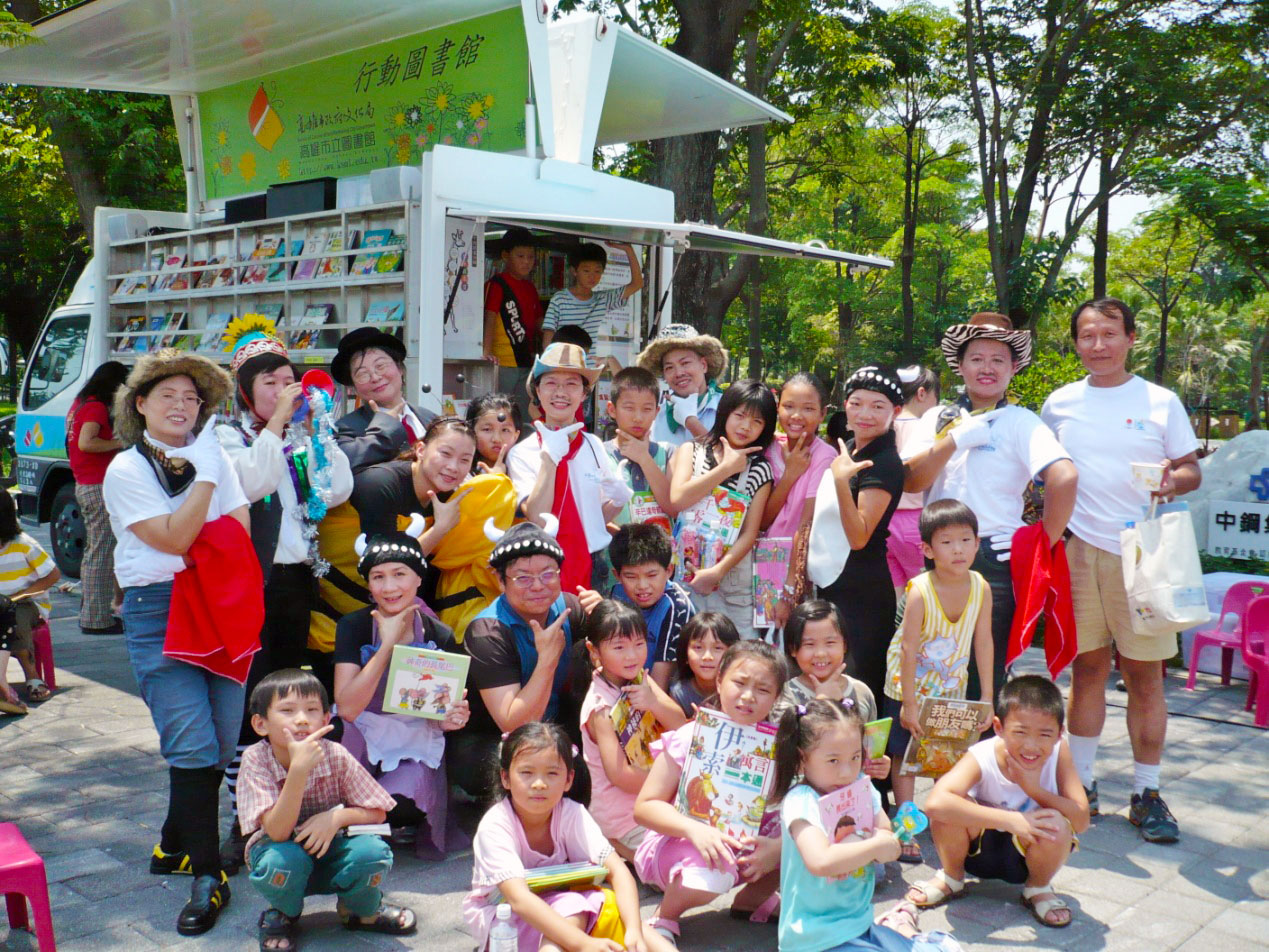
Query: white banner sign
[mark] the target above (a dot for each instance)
(1238, 530)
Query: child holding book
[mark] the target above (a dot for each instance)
(536, 825)
(826, 883)
(617, 643)
(702, 643)
(297, 795)
(495, 419)
(406, 754)
(691, 861)
(720, 484)
(948, 612)
(1011, 807)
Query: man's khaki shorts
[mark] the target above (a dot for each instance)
(1101, 606)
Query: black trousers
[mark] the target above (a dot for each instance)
(289, 596)
(864, 594)
(997, 574)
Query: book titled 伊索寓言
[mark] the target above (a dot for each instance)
(949, 728)
(424, 683)
(635, 729)
(847, 810)
(728, 773)
(770, 572)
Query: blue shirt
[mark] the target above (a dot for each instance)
(665, 620)
(818, 913)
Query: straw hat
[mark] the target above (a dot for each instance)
(684, 337)
(212, 382)
(990, 326)
(568, 357)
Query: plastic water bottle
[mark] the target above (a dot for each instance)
(503, 937)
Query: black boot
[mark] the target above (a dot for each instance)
(231, 850)
(209, 895)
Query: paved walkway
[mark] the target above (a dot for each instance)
(83, 779)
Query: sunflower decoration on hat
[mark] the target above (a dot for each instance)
(250, 336)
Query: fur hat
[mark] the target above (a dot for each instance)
(881, 380)
(386, 547)
(684, 337)
(522, 541)
(211, 381)
(988, 325)
(568, 357)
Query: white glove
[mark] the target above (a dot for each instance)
(555, 442)
(972, 430)
(204, 454)
(684, 408)
(1002, 546)
(616, 490)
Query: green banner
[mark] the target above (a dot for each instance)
(387, 104)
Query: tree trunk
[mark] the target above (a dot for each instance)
(1101, 234)
(1255, 380)
(755, 369)
(907, 254)
(1161, 356)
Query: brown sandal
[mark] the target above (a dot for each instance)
(390, 920)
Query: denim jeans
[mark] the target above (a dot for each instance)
(352, 868)
(196, 713)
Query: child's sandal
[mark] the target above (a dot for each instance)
(390, 920)
(902, 918)
(667, 929)
(910, 852)
(276, 924)
(1041, 908)
(936, 890)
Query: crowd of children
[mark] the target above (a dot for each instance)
(579, 578)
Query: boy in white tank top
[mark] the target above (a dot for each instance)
(1011, 807)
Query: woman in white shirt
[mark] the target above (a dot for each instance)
(277, 465)
(160, 493)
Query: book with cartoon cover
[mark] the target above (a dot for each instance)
(365, 262)
(390, 260)
(266, 247)
(314, 245)
(385, 312)
(876, 734)
(950, 728)
(131, 326)
(848, 810)
(728, 773)
(561, 876)
(424, 683)
(282, 270)
(771, 557)
(309, 324)
(635, 729)
(214, 331)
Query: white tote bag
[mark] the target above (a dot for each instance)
(829, 548)
(1162, 574)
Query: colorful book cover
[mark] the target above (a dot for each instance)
(339, 241)
(132, 326)
(770, 571)
(848, 810)
(314, 245)
(374, 238)
(224, 277)
(266, 247)
(644, 508)
(282, 270)
(128, 284)
(876, 734)
(155, 263)
(558, 877)
(728, 773)
(424, 683)
(156, 322)
(385, 312)
(170, 264)
(174, 322)
(950, 728)
(214, 331)
(308, 325)
(184, 280)
(635, 729)
(207, 279)
(390, 260)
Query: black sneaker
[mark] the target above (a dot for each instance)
(1094, 804)
(170, 864)
(1152, 815)
(209, 895)
(231, 850)
(114, 628)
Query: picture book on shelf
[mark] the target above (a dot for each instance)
(876, 734)
(132, 325)
(728, 773)
(390, 260)
(559, 877)
(282, 270)
(266, 247)
(771, 557)
(314, 244)
(950, 727)
(156, 322)
(338, 241)
(207, 278)
(173, 322)
(170, 264)
(848, 810)
(308, 325)
(130, 284)
(184, 280)
(365, 262)
(157, 257)
(424, 683)
(385, 312)
(214, 331)
(224, 277)
(635, 729)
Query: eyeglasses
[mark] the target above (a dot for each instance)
(526, 582)
(367, 372)
(169, 399)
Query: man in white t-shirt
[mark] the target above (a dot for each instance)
(984, 451)
(1107, 421)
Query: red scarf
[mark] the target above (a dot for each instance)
(572, 534)
(1041, 584)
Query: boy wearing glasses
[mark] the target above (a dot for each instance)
(520, 648)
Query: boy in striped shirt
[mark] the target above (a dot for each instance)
(582, 304)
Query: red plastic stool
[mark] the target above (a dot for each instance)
(42, 643)
(22, 878)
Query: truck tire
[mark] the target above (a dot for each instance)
(66, 526)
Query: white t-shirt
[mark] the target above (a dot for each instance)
(133, 494)
(991, 478)
(1106, 429)
(589, 468)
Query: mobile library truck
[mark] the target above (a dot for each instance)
(344, 166)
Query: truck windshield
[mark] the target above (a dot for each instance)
(57, 360)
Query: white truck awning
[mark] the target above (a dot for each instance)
(680, 236)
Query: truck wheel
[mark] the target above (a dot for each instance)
(66, 526)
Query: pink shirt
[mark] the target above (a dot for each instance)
(612, 807)
(822, 456)
(905, 428)
(500, 852)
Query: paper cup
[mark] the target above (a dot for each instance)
(1147, 476)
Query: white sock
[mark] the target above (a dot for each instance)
(1144, 777)
(1084, 753)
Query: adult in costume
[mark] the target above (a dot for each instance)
(691, 364)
